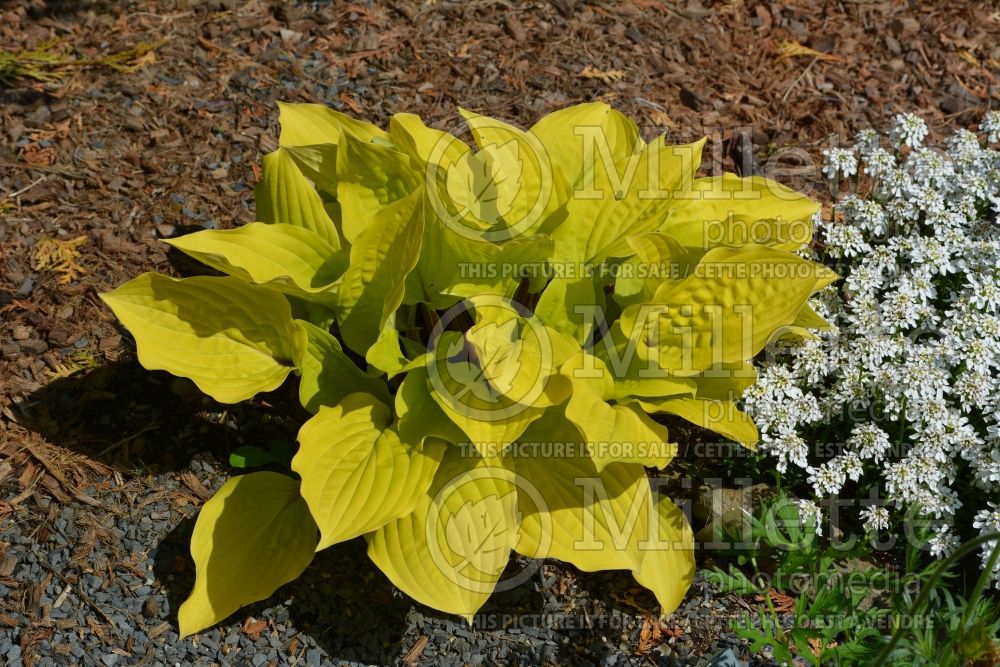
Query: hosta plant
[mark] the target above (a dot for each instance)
(488, 337)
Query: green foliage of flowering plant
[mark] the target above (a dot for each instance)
(487, 337)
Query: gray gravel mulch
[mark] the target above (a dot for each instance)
(100, 585)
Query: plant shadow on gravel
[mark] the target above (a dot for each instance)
(343, 602)
(140, 421)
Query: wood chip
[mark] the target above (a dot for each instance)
(193, 483)
(413, 655)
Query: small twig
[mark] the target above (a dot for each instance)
(25, 188)
(87, 599)
(112, 447)
(796, 82)
(62, 596)
(62, 171)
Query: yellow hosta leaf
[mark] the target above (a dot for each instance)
(608, 520)
(486, 414)
(726, 382)
(385, 353)
(658, 258)
(589, 519)
(290, 259)
(572, 306)
(425, 144)
(309, 124)
(254, 535)
(572, 512)
(729, 210)
(726, 310)
(634, 368)
(356, 474)
(419, 416)
(714, 404)
(370, 178)
(231, 338)
(720, 416)
(319, 164)
(328, 374)
(624, 199)
(802, 328)
(381, 257)
(574, 136)
(528, 187)
(667, 562)
(519, 359)
(285, 195)
(488, 419)
(450, 551)
(612, 433)
(810, 319)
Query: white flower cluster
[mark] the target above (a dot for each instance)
(907, 383)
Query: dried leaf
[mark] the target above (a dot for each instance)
(649, 636)
(253, 628)
(791, 48)
(60, 256)
(607, 76)
(662, 119)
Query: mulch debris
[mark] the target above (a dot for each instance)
(147, 119)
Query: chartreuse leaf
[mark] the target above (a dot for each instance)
(489, 418)
(328, 374)
(578, 138)
(622, 186)
(311, 311)
(254, 535)
(285, 195)
(666, 565)
(635, 369)
(284, 257)
(714, 404)
(308, 124)
(723, 417)
(621, 193)
(310, 134)
(658, 258)
(520, 360)
(810, 319)
(513, 176)
(501, 375)
(570, 305)
(805, 322)
(356, 473)
(370, 177)
(613, 433)
(572, 512)
(381, 256)
(385, 353)
(418, 415)
(603, 520)
(659, 173)
(450, 551)
(425, 144)
(726, 310)
(729, 210)
(231, 338)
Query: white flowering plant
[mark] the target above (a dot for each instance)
(898, 405)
